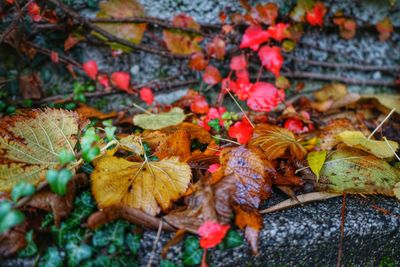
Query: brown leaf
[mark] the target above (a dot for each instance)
(90, 113)
(276, 142)
(328, 133)
(30, 86)
(177, 144)
(195, 131)
(12, 241)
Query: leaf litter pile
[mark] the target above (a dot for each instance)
(167, 172)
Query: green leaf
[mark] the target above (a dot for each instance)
(167, 263)
(65, 156)
(349, 170)
(316, 160)
(357, 139)
(84, 205)
(52, 258)
(133, 242)
(78, 253)
(161, 120)
(231, 240)
(110, 131)
(90, 154)
(31, 248)
(9, 217)
(99, 261)
(89, 138)
(58, 180)
(215, 125)
(112, 233)
(22, 189)
(65, 234)
(192, 253)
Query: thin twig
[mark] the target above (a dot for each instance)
(241, 109)
(380, 124)
(14, 24)
(391, 148)
(343, 214)
(226, 140)
(153, 251)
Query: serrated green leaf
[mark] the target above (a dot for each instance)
(316, 160)
(112, 233)
(22, 189)
(77, 253)
(133, 242)
(161, 120)
(350, 170)
(30, 143)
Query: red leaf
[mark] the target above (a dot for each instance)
(241, 88)
(253, 37)
(70, 42)
(34, 11)
(104, 81)
(241, 130)
(90, 67)
(216, 48)
(264, 97)
(10, 2)
(316, 15)
(54, 56)
(294, 125)
(238, 62)
(271, 58)
(146, 94)
(199, 105)
(211, 233)
(279, 31)
(211, 75)
(267, 13)
(198, 61)
(121, 80)
(243, 74)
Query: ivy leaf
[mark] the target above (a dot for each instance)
(167, 263)
(22, 189)
(276, 142)
(99, 261)
(78, 253)
(110, 234)
(30, 143)
(133, 242)
(271, 58)
(52, 258)
(31, 247)
(9, 217)
(316, 160)
(161, 120)
(192, 253)
(232, 239)
(378, 148)
(142, 185)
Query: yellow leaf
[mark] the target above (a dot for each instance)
(396, 190)
(276, 141)
(332, 91)
(316, 160)
(132, 143)
(378, 148)
(31, 141)
(161, 120)
(387, 101)
(149, 186)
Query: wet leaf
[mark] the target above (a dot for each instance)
(149, 186)
(183, 43)
(31, 141)
(276, 142)
(176, 145)
(378, 148)
(316, 160)
(160, 120)
(132, 32)
(350, 170)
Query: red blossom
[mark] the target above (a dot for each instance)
(238, 62)
(279, 31)
(211, 233)
(90, 67)
(264, 97)
(211, 75)
(316, 15)
(271, 58)
(34, 11)
(253, 37)
(213, 167)
(199, 105)
(146, 94)
(241, 130)
(121, 80)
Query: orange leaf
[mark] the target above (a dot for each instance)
(385, 29)
(211, 75)
(177, 144)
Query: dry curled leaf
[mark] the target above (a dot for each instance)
(132, 32)
(89, 112)
(327, 135)
(31, 141)
(276, 142)
(149, 186)
(177, 144)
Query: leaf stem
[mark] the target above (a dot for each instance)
(391, 148)
(380, 124)
(241, 109)
(227, 140)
